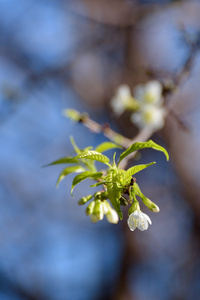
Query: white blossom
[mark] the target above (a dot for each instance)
(121, 99)
(149, 116)
(149, 93)
(139, 220)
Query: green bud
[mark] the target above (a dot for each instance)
(94, 218)
(84, 200)
(135, 206)
(151, 205)
(98, 210)
(104, 195)
(97, 196)
(89, 210)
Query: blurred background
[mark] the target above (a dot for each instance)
(59, 54)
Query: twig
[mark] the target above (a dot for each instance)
(105, 129)
(112, 135)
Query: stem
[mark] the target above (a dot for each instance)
(107, 131)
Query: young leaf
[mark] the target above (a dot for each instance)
(137, 146)
(103, 181)
(83, 176)
(94, 155)
(97, 184)
(114, 163)
(124, 178)
(76, 148)
(135, 169)
(106, 146)
(114, 192)
(69, 170)
(64, 160)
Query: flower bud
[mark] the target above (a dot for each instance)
(104, 195)
(97, 196)
(106, 207)
(135, 206)
(98, 209)
(89, 210)
(83, 200)
(112, 216)
(152, 206)
(94, 218)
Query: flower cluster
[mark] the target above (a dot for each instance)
(147, 104)
(119, 186)
(97, 209)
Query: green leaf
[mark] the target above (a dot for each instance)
(83, 176)
(97, 184)
(114, 192)
(64, 160)
(101, 182)
(114, 163)
(76, 148)
(94, 155)
(106, 146)
(137, 146)
(69, 170)
(135, 169)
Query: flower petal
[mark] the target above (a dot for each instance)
(147, 218)
(131, 222)
(143, 224)
(124, 91)
(153, 91)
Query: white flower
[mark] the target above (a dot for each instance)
(149, 116)
(121, 99)
(150, 93)
(139, 220)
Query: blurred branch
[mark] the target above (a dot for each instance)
(194, 44)
(118, 13)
